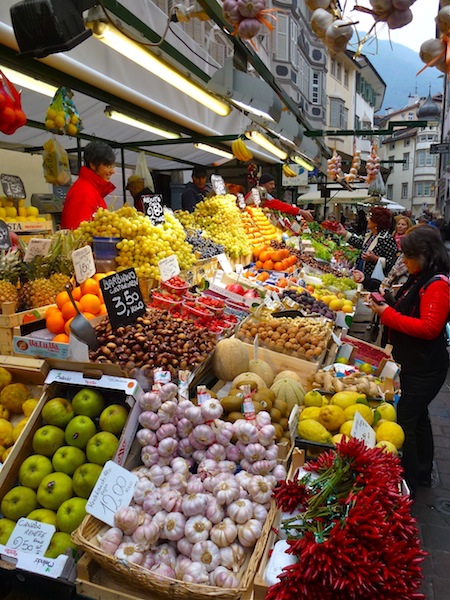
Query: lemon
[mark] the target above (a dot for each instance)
(312, 412)
(59, 121)
(391, 432)
(29, 405)
(347, 308)
(363, 410)
(6, 453)
(32, 211)
(2, 213)
(338, 438)
(331, 417)
(387, 412)
(380, 422)
(74, 119)
(387, 447)
(313, 398)
(4, 412)
(71, 129)
(50, 124)
(346, 428)
(6, 430)
(309, 429)
(51, 113)
(336, 304)
(11, 211)
(19, 428)
(345, 399)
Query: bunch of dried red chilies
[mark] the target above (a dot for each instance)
(352, 532)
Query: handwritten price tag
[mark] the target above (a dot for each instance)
(123, 298)
(361, 430)
(114, 489)
(83, 262)
(169, 267)
(224, 263)
(31, 536)
(36, 247)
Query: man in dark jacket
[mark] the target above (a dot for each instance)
(195, 190)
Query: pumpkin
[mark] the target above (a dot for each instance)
(263, 369)
(247, 377)
(288, 374)
(230, 359)
(289, 391)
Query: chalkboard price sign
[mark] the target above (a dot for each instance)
(12, 186)
(154, 208)
(5, 240)
(123, 298)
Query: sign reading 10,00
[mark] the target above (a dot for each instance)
(123, 297)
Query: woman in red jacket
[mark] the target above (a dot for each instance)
(416, 329)
(88, 192)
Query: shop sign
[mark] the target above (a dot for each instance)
(12, 186)
(123, 297)
(5, 240)
(154, 208)
(31, 536)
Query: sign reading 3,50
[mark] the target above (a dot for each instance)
(127, 304)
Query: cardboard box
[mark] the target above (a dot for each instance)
(219, 283)
(9, 319)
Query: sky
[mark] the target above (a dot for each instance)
(421, 28)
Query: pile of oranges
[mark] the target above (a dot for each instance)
(271, 259)
(89, 299)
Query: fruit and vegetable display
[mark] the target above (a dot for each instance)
(202, 246)
(203, 495)
(17, 212)
(328, 380)
(80, 432)
(258, 227)
(307, 304)
(276, 259)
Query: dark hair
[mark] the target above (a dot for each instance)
(99, 153)
(199, 172)
(381, 217)
(424, 243)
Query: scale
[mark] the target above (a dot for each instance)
(49, 204)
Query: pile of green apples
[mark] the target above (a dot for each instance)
(77, 439)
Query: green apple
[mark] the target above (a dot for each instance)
(342, 360)
(18, 502)
(84, 479)
(48, 439)
(70, 514)
(67, 459)
(88, 402)
(101, 447)
(59, 543)
(366, 368)
(6, 529)
(33, 470)
(43, 515)
(79, 431)
(58, 411)
(54, 490)
(113, 418)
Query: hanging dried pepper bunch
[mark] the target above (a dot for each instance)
(354, 537)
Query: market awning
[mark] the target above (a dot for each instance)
(339, 197)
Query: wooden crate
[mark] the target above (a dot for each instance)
(9, 319)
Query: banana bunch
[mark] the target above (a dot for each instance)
(240, 150)
(288, 171)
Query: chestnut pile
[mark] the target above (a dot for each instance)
(157, 339)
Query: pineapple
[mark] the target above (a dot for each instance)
(10, 266)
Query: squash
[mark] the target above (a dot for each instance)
(247, 378)
(263, 369)
(289, 391)
(289, 374)
(230, 359)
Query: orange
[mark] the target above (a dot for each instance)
(76, 293)
(50, 310)
(268, 264)
(55, 322)
(61, 337)
(282, 282)
(88, 315)
(259, 264)
(61, 299)
(278, 266)
(90, 286)
(90, 303)
(68, 310)
(263, 276)
(100, 297)
(103, 310)
(265, 255)
(99, 276)
(110, 273)
(67, 326)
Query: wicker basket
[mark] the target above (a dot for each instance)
(138, 578)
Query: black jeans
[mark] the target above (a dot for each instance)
(418, 390)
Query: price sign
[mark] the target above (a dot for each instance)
(154, 208)
(239, 269)
(123, 297)
(256, 196)
(361, 430)
(218, 185)
(12, 186)
(224, 263)
(83, 262)
(168, 267)
(5, 240)
(31, 536)
(36, 247)
(114, 489)
(296, 227)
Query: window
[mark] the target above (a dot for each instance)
(423, 189)
(333, 67)
(411, 116)
(404, 190)
(406, 161)
(425, 159)
(390, 192)
(346, 78)
(282, 46)
(406, 143)
(367, 126)
(339, 71)
(315, 88)
(338, 113)
(391, 162)
(294, 35)
(392, 146)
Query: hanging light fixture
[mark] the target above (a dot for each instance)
(213, 150)
(30, 83)
(120, 43)
(122, 118)
(303, 162)
(264, 142)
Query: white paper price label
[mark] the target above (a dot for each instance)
(36, 247)
(256, 196)
(31, 537)
(361, 430)
(225, 263)
(239, 269)
(241, 201)
(114, 489)
(296, 227)
(83, 262)
(168, 267)
(218, 184)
